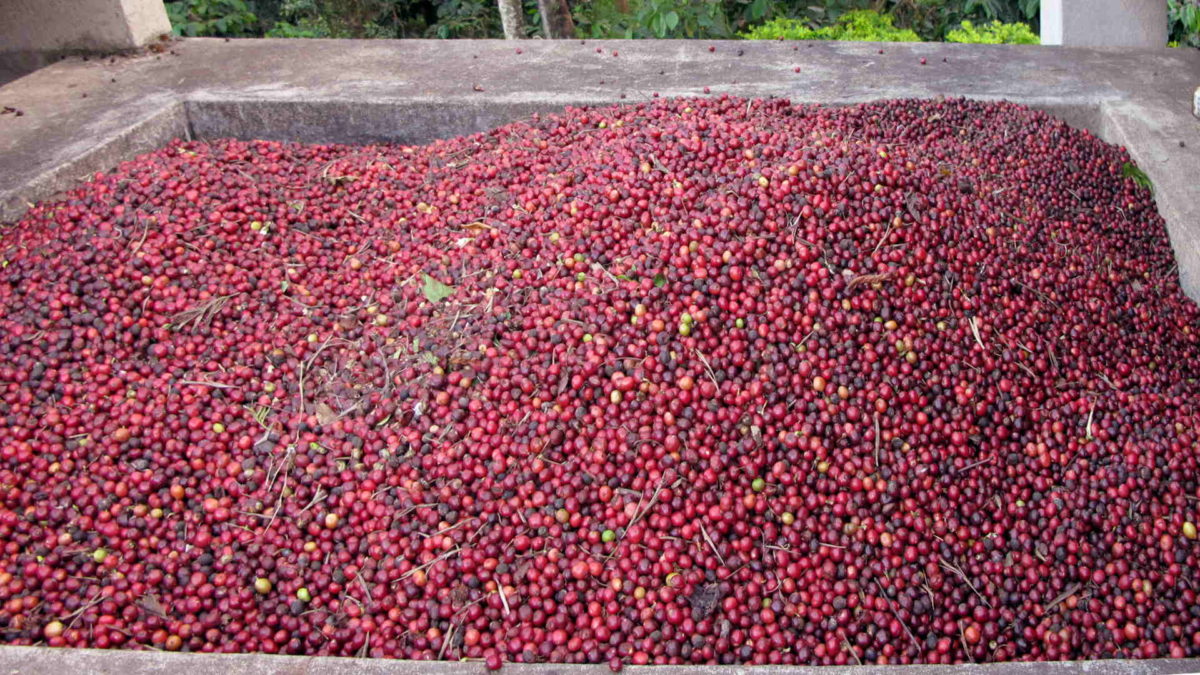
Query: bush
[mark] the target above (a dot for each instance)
(1183, 21)
(212, 18)
(857, 25)
(930, 19)
(884, 20)
(995, 33)
(626, 19)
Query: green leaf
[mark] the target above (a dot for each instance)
(672, 19)
(434, 290)
(656, 25)
(757, 9)
(660, 280)
(1138, 176)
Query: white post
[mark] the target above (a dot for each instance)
(1105, 23)
(56, 26)
(35, 32)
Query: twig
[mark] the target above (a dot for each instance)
(1063, 596)
(201, 383)
(707, 366)
(436, 560)
(649, 505)
(878, 441)
(138, 247)
(896, 614)
(447, 529)
(963, 638)
(446, 641)
(202, 313)
(96, 599)
(963, 575)
(711, 545)
(975, 331)
(885, 235)
(846, 644)
(1091, 413)
(319, 496)
(972, 465)
(312, 359)
(358, 577)
(780, 549)
(503, 599)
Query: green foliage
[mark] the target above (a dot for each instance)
(466, 19)
(745, 13)
(815, 19)
(1183, 21)
(606, 19)
(202, 18)
(350, 18)
(930, 19)
(995, 33)
(859, 25)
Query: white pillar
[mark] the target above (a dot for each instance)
(1105, 23)
(59, 26)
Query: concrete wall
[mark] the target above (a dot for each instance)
(34, 32)
(69, 25)
(1104, 23)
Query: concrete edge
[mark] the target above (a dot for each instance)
(142, 134)
(45, 661)
(1145, 143)
(215, 115)
(208, 114)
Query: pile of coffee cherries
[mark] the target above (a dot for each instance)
(693, 381)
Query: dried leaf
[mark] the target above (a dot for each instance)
(865, 279)
(434, 290)
(151, 604)
(325, 414)
(704, 601)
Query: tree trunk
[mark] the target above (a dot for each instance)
(512, 17)
(556, 19)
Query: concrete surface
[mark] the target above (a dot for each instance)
(44, 661)
(84, 116)
(95, 25)
(34, 33)
(1136, 24)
